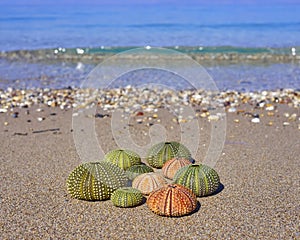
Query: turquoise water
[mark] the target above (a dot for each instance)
(62, 29)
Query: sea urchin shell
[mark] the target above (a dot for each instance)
(136, 170)
(201, 179)
(123, 158)
(164, 151)
(127, 197)
(171, 167)
(95, 180)
(147, 182)
(173, 200)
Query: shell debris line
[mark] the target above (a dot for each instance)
(138, 101)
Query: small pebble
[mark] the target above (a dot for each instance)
(236, 120)
(213, 118)
(231, 110)
(5, 123)
(270, 123)
(203, 115)
(139, 114)
(15, 115)
(255, 120)
(3, 110)
(99, 115)
(293, 117)
(286, 123)
(40, 119)
(270, 107)
(139, 121)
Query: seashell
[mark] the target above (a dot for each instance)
(147, 182)
(172, 200)
(164, 151)
(123, 158)
(95, 180)
(171, 167)
(127, 197)
(201, 179)
(136, 170)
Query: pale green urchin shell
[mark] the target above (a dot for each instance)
(201, 179)
(95, 180)
(147, 182)
(136, 170)
(164, 151)
(123, 158)
(127, 197)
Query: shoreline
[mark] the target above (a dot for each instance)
(214, 55)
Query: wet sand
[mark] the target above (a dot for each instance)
(258, 166)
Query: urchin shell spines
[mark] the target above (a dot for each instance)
(201, 179)
(164, 151)
(95, 180)
(127, 197)
(172, 200)
(123, 158)
(136, 170)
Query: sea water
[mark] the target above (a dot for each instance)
(211, 28)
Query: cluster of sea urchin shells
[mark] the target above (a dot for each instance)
(111, 178)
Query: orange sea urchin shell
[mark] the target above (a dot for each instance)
(171, 167)
(173, 200)
(148, 182)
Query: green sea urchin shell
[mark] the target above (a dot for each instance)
(95, 180)
(201, 179)
(123, 158)
(136, 170)
(127, 197)
(164, 151)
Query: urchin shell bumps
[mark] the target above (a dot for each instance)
(173, 200)
(173, 165)
(201, 179)
(136, 170)
(123, 158)
(127, 197)
(164, 151)
(147, 182)
(95, 180)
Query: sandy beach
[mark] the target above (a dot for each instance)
(258, 166)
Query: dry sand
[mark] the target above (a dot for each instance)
(259, 168)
